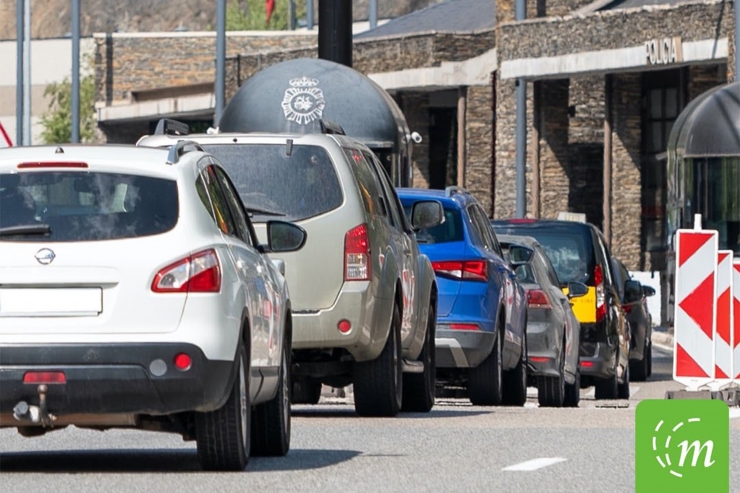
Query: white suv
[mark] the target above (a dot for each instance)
(133, 293)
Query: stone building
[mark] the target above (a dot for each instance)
(605, 82)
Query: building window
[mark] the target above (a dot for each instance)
(662, 102)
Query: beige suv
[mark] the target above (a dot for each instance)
(363, 297)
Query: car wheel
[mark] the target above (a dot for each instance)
(378, 384)
(271, 420)
(606, 388)
(551, 390)
(623, 390)
(650, 359)
(515, 388)
(222, 435)
(485, 384)
(639, 368)
(573, 391)
(306, 392)
(419, 388)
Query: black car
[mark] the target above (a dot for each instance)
(634, 303)
(579, 253)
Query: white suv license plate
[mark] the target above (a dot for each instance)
(51, 302)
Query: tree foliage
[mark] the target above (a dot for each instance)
(251, 15)
(57, 121)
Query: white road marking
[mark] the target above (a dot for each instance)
(591, 394)
(634, 390)
(663, 348)
(534, 464)
(734, 413)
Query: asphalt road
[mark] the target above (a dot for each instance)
(456, 447)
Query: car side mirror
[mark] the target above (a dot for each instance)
(519, 255)
(648, 291)
(633, 291)
(426, 214)
(576, 290)
(284, 237)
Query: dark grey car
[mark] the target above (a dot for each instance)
(633, 296)
(553, 331)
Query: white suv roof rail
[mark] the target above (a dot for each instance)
(180, 148)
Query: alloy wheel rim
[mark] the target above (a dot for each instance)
(286, 389)
(243, 401)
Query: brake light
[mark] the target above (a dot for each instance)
(35, 165)
(600, 294)
(538, 299)
(45, 377)
(197, 273)
(470, 270)
(357, 254)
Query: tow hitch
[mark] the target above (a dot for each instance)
(35, 414)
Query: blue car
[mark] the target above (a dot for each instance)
(481, 313)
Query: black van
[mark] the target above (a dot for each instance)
(579, 253)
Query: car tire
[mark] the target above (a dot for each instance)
(378, 384)
(419, 389)
(650, 359)
(639, 368)
(223, 435)
(551, 390)
(306, 392)
(485, 385)
(623, 389)
(271, 420)
(607, 388)
(515, 388)
(573, 391)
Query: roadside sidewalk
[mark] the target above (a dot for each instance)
(663, 337)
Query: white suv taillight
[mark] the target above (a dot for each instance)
(357, 254)
(197, 273)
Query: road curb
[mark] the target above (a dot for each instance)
(663, 340)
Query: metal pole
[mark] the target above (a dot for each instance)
(309, 14)
(291, 15)
(335, 31)
(20, 8)
(373, 15)
(737, 39)
(521, 131)
(76, 71)
(27, 73)
(220, 59)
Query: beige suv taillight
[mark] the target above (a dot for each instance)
(357, 254)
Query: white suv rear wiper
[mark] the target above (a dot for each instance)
(26, 229)
(264, 212)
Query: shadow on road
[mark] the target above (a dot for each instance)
(159, 460)
(348, 412)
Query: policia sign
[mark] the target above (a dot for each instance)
(663, 51)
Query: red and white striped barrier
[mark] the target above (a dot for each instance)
(736, 318)
(723, 347)
(695, 314)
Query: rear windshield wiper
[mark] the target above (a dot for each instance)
(264, 212)
(26, 229)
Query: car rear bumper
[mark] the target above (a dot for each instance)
(597, 359)
(543, 351)
(462, 348)
(369, 318)
(114, 378)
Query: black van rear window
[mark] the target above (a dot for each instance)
(293, 187)
(83, 206)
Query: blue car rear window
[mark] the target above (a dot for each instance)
(450, 230)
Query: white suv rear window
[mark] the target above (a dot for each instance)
(296, 183)
(82, 206)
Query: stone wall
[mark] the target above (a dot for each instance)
(701, 78)
(129, 63)
(478, 144)
(626, 218)
(613, 29)
(554, 160)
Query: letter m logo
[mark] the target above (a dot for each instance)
(697, 448)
